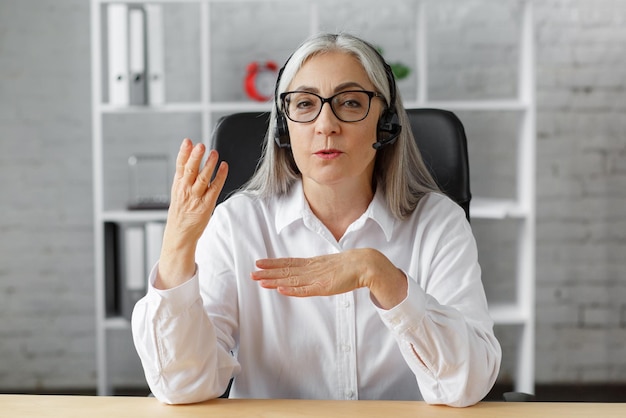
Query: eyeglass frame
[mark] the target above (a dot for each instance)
(370, 94)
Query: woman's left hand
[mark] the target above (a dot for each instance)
(334, 274)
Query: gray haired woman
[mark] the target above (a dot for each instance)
(338, 272)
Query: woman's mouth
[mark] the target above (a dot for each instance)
(328, 154)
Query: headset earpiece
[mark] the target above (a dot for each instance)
(281, 135)
(389, 127)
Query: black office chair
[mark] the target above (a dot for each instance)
(440, 137)
(439, 134)
(239, 140)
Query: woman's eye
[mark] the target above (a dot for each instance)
(352, 100)
(304, 104)
(352, 103)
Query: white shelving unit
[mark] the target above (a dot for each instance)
(520, 313)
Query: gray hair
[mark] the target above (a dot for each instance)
(399, 171)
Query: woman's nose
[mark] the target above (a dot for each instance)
(326, 122)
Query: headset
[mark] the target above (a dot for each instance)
(389, 127)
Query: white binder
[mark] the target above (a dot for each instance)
(154, 241)
(155, 44)
(134, 277)
(137, 55)
(117, 38)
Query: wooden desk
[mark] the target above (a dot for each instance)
(38, 406)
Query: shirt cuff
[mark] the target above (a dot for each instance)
(404, 316)
(176, 300)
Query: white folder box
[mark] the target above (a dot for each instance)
(155, 54)
(154, 241)
(134, 277)
(117, 49)
(137, 55)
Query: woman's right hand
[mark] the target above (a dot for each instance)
(193, 199)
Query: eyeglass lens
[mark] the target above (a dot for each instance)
(348, 106)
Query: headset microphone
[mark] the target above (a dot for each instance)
(384, 142)
(388, 129)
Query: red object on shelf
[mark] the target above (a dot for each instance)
(260, 80)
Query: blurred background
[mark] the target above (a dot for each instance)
(51, 323)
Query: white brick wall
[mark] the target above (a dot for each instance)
(46, 258)
(581, 203)
(47, 337)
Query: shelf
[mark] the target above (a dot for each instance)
(249, 106)
(508, 314)
(480, 208)
(501, 315)
(485, 208)
(117, 323)
(490, 105)
(194, 107)
(165, 108)
(178, 1)
(241, 107)
(134, 215)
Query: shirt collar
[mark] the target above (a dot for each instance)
(380, 213)
(293, 206)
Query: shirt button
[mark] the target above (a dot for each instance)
(346, 303)
(349, 394)
(346, 348)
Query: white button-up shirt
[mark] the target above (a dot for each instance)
(437, 344)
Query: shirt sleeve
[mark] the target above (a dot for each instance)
(182, 357)
(443, 327)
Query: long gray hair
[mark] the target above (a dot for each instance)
(399, 171)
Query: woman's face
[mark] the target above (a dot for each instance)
(328, 151)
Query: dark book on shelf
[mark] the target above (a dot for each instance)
(111, 269)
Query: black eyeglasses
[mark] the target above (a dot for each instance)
(347, 106)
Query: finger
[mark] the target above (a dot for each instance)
(276, 263)
(286, 281)
(295, 286)
(183, 155)
(218, 182)
(271, 274)
(313, 289)
(192, 166)
(203, 178)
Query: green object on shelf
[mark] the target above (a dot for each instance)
(399, 70)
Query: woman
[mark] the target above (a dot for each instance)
(339, 272)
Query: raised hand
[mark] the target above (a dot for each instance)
(193, 199)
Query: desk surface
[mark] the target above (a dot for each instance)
(31, 406)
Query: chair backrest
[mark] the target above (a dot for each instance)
(439, 135)
(239, 140)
